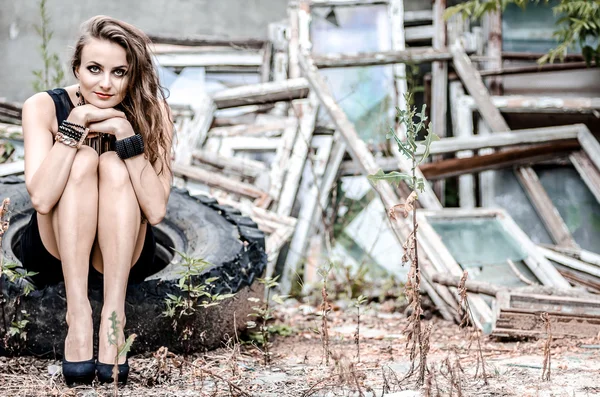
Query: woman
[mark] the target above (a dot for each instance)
(93, 212)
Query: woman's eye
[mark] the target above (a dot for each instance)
(94, 69)
(119, 73)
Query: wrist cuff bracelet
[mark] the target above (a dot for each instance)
(129, 147)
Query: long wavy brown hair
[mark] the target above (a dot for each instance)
(144, 102)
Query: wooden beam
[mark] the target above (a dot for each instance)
(345, 3)
(365, 159)
(307, 221)
(307, 113)
(267, 58)
(474, 85)
(12, 168)
(240, 60)
(459, 166)
(583, 255)
(590, 174)
(571, 263)
(215, 180)
(439, 86)
(533, 104)
(503, 139)
(399, 56)
(193, 131)
(261, 93)
(591, 145)
(239, 165)
(208, 41)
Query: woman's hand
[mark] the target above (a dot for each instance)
(89, 113)
(117, 126)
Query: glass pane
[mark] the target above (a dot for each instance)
(482, 247)
(364, 93)
(512, 198)
(529, 30)
(575, 203)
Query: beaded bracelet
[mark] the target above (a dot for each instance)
(129, 147)
(71, 134)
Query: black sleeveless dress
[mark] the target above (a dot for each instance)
(36, 258)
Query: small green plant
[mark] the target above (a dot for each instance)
(360, 301)
(417, 338)
(17, 327)
(579, 23)
(122, 349)
(193, 294)
(262, 314)
(4, 223)
(52, 74)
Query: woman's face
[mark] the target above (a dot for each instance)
(103, 73)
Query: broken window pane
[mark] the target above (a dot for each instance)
(510, 196)
(483, 247)
(364, 93)
(575, 203)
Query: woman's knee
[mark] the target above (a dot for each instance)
(85, 165)
(113, 171)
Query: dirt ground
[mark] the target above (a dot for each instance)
(513, 368)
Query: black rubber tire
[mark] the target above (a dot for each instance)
(199, 227)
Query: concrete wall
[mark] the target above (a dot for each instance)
(19, 41)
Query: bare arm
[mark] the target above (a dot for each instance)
(48, 163)
(152, 190)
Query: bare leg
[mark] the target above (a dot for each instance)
(73, 223)
(118, 230)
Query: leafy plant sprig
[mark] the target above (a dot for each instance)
(360, 301)
(263, 314)
(122, 349)
(52, 74)
(415, 124)
(193, 294)
(578, 23)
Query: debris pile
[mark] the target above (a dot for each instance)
(271, 127)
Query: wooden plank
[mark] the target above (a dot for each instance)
(229, 145)
(284, 151)
(239, 165)
(577, 253)
(419, 34)
(439, 86)
(12, 168)
(397, 56)
(241, 60)
(267, 58)
(307, 112)
(590, 144)
(571, 263)
(459, 166)
(261, 93)
(529, 69)
(542, 104)
(215, 180)
(345, 3)
(590, 174)
(11, 131)
(210, 41)
(307, 221)
(474, 85)
(492, 24)
(254, 130)
(462, 123)
(501, 139)
(194, 131)
(361, 154)
(294, 39)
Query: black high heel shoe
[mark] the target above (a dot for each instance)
(105, 372)
(79, 372)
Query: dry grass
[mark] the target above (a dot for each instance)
(297, 368)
